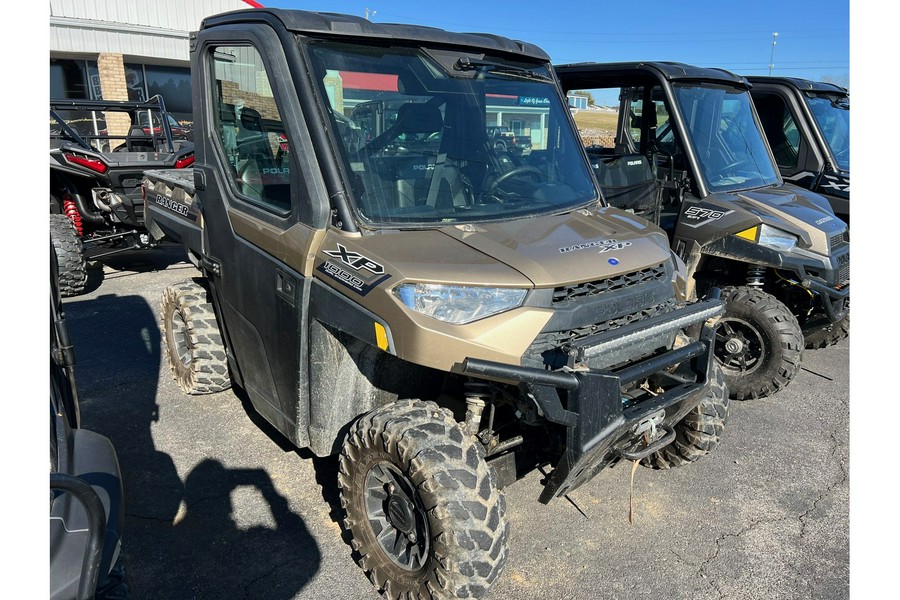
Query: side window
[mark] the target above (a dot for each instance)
(780, 128)
(656, 111)
(249, 128)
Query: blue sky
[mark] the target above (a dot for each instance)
(813, 35)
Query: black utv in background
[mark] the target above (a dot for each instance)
(808, 127)
(689, 154)
(99, 151)
(87, 513)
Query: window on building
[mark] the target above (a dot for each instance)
(249, 128)
(134, 82)
(74, 79)
(174, 85)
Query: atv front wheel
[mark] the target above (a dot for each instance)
(194, 348)
(69, 255)
(759, 343)
(699, 432)
(421, 504)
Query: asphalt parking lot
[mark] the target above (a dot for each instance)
(220, 506)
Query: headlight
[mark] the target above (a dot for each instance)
(776, 239)
(458, 304)
(770, 237)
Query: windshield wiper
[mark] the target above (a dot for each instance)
(484, 66)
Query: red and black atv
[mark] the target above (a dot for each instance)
(99, 151)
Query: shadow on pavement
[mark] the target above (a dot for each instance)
(181, 539)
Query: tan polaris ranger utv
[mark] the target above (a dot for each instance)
(445, 315)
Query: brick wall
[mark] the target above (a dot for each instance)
(265, 105)
(113, 86)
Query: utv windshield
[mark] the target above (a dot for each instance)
(832, 113)
(726, 137)
(413, 126)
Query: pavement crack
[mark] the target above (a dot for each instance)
(702, 570)
(835, 447)
(249, 592)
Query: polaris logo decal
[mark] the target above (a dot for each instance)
(174, 206)
(824, 220)
(601, 245)
(276, 171)
(634, 163)
(355, 260)
(704, 215)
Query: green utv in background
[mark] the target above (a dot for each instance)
(689, 154)
(444, 314)
(807, 124)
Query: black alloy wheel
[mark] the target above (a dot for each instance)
(759, 343)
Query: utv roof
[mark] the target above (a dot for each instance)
(804, 85)
(350, 27)
(625, 71)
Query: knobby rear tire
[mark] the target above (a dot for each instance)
(69, 255)
(194, 348)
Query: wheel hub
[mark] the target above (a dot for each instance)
(739, 348)
(734, 346)
(400, 514)
(397, 518)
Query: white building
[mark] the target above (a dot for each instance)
(118, 50)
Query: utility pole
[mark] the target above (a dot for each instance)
(772, 58)
(370, 14)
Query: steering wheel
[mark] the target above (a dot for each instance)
(521, 170)
(734, 165)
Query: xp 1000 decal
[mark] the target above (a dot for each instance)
(352, 269)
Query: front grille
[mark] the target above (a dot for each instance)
(553, 340)
(839, 241)
(592, 288)
(843, 269)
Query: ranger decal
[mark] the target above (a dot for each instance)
(174, 206)
(602, 245)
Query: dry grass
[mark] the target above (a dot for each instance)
(591, 119)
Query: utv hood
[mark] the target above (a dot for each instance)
(543, 251)
(580, 246)
(790, 208)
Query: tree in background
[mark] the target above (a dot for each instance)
(587, 95)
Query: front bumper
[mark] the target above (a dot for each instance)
(826, 276)
(599, 427)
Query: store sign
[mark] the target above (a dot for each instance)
(526, 101)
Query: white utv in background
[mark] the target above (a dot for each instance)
(442, 313)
